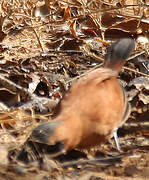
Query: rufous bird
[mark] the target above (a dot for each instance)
(94, 107)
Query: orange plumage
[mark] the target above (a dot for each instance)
(94, 107)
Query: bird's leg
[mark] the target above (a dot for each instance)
(116, 139)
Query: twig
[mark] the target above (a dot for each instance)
(35, 101)
(102, 161)
(137, 72)
(37, 36)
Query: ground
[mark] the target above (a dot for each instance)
(45, 46)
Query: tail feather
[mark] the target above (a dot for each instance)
(118, 52)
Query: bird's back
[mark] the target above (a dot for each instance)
(85, 104)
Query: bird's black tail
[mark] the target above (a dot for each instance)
(118, 52)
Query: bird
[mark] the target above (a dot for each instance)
(94, 107)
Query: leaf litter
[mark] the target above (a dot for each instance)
(44, 47)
